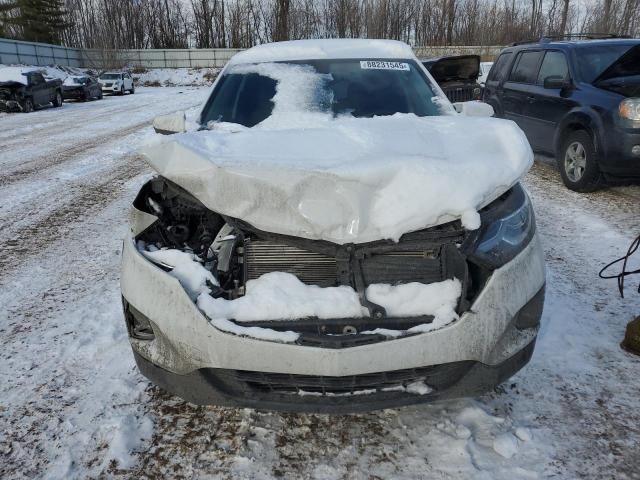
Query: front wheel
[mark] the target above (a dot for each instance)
(57, 100)
(27, 105)
(133, 89)
(578, 163)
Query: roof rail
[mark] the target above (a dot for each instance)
(585, 36)
(572, 36)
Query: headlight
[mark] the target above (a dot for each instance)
(630, 109)
(508, 226)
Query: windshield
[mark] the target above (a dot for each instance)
(249, 94)
(110, 76)
(594, 60)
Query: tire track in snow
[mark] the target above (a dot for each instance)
(63, 155)
(53, 125)
(31, 239)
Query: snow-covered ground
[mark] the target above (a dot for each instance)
(72, 404)
(169, 77)
(156, 77)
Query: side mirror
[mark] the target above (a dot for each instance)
(474, 109)
(170, 124)
(555, 82)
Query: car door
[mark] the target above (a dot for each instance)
(39, 89)
(94, 87)
(127, 81)
(517, 89)
(493, 90)
(546, 106)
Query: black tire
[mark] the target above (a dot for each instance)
(100, 95)
(133, 89)
(27, 105)
(578, 161)
(122, 92)
(57, 100)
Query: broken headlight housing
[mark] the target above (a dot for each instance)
(508, 225)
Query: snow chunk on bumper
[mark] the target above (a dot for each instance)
(349, 180)
(282, 296)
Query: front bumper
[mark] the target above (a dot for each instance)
(10, 106)
(233, 388)
(186, 343)
(618, 161)
(112, 89)
(74, 94)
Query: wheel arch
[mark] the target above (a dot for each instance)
(580, 119)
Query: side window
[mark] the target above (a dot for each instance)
(499, 70)
(526, 67)
(554, 64)
(36, 79)
(243, 99)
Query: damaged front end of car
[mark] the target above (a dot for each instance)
(165, 216)
(11, 97)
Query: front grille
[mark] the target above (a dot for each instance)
(313, 268)
(310, 267)
(460, 94)
(436, 377)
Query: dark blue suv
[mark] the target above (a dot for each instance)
(577, 100)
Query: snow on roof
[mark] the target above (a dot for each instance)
(321, 49)
(15, 74)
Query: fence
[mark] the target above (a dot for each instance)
(150, 58)
(28, 53)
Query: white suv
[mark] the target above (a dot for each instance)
(116, 83)
(333, 238)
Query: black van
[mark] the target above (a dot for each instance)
(578, 100)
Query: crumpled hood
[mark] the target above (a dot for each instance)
(348, 180)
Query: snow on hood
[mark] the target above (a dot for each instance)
(14, 74)
(349, 180)
(72, 81)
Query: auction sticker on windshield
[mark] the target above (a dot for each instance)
(382, 65)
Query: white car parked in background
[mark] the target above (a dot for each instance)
(485, 68)
(116, 83)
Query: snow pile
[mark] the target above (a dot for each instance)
(282, 296)
(413, 299)
(180, 77)
(73, 80)
(349, 179)
(185, 267)
(14, 74)
(303, 173)
(297, 100)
